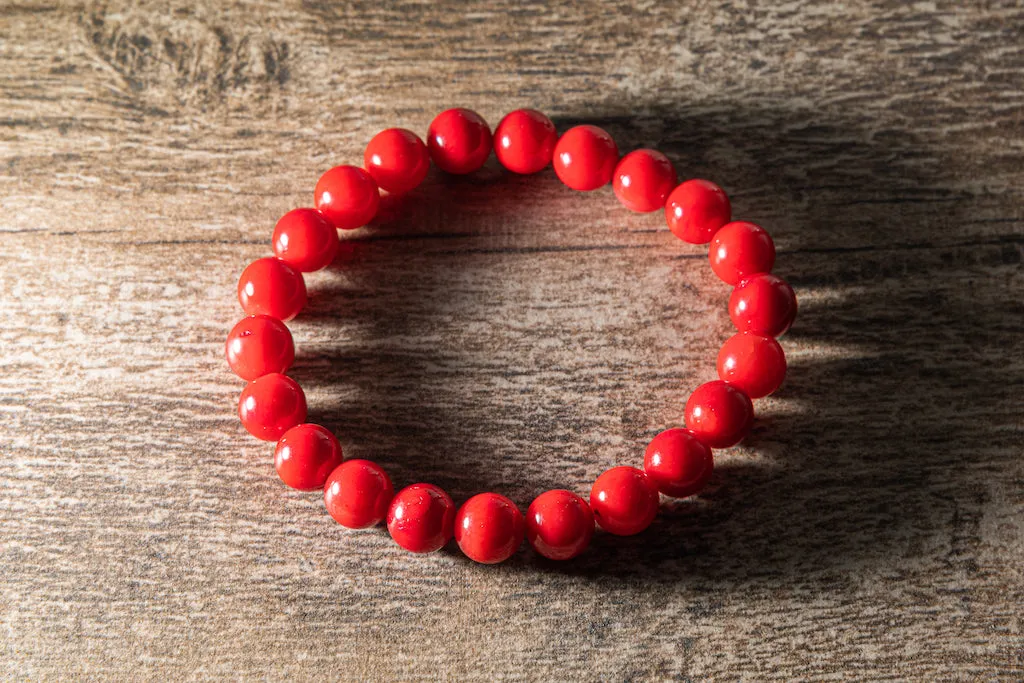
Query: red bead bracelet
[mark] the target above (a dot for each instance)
(489, 527)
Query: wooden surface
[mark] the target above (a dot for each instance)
(501, 333)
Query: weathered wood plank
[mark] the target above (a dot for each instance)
(505, 333)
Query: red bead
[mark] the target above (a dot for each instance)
(624, 501)
(643, 180)
(259, 345)
(397, 159)
(357, 494)
(459, 141)
(559, 524)
(305, 240)
(585, 158)
(752, 362)
(347, 196)
(489, 528)
(306, 455)
(524, 141)
(741, 249)
(696, 210)
(678, 463)
(719, 414)
(269, 286)
(763, 304)
(271, 405)
(421, 518)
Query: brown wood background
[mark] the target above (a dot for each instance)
(501, 333)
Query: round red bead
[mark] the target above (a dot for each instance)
(719, 414)
(624, 501)
(585, 158)
(269, 286)
(489, 528)
(259, 345)
(696, 210)
(305, 240)
(357, 494)
(754, 363)
(305, 455)
(397, 159)
(421, 518)
(271, 405)
(740, 249)
(459, 141)
(678, 463)
(559, 524)
(643, 180)
(347, 196)
(524, 141)
(763, 304)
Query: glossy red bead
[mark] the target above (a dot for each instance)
(696, 209)
(624, 501)
(259, 345)
(269, 286)
(489, 528)
(305, 240)
(740, 249)
(754, 363)
(357, 494)
(397, 159)
(305, 455)
(763, 304)
(524, 141)
(585, 158)
(347, 196)
(271, 405)
(421, 518)
(459, 141)
(559, 524)
(719, 414)
(643, 180)
(678, 462)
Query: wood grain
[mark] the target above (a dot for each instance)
(501, 333)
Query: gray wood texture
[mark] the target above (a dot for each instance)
(503, 333)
